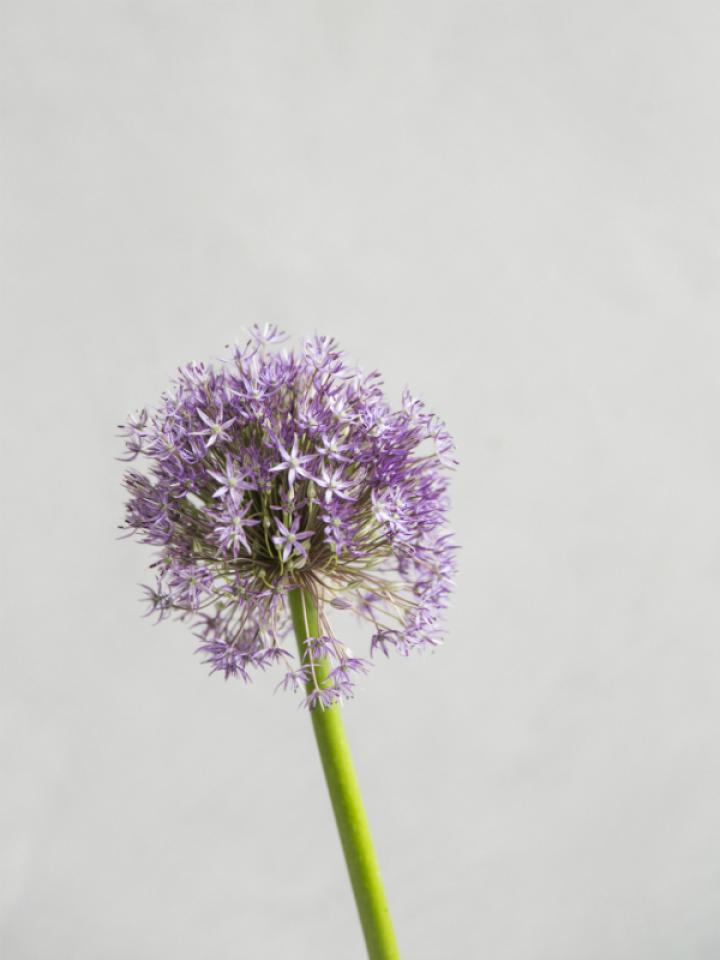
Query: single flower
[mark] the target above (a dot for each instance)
(283, 471)
(281, 485)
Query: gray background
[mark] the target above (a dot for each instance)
(512, 207)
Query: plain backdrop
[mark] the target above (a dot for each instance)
(511, 207)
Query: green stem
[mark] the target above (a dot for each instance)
(345, 795)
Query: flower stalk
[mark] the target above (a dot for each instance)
(344, 789)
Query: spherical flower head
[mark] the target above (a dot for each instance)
(280, 470)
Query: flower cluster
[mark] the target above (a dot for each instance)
(279, 470)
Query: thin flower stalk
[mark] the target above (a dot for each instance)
(344, 790)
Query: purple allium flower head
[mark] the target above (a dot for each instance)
(283, 470)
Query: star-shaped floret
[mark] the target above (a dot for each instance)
(335, 484)
(331, 448)
(294, 462)
(232, 482)
(216, 429)
(290, 540)
(231, 533)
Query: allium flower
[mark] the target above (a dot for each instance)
(277, 471)
(290, 541)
